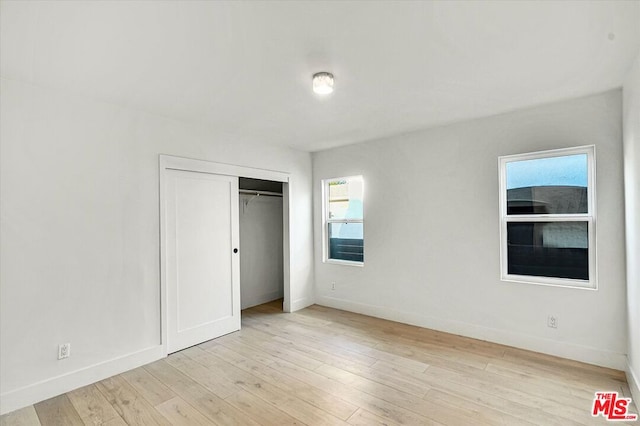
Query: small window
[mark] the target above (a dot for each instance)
(343, 220)
(547, 210)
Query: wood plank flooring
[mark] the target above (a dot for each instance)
(322, 366)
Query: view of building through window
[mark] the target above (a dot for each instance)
(548, 218)
(344, 219)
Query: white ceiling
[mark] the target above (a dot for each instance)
(244, 68)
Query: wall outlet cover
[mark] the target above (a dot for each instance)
(64, 350)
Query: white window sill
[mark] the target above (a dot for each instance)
(344, 262)
(551, 282)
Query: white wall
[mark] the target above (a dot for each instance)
(79, 234)
(261, 277)
(432, 232)
(631, 126)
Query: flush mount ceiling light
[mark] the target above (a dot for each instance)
(323, 83)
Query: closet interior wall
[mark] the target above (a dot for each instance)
(261, 242)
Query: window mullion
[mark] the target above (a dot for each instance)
(345, 221)
(548, 218)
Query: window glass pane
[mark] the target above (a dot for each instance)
(554, 185)
(346, 241)
(345, 198)
(548, 249)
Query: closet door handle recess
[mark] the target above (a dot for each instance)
(235, 250)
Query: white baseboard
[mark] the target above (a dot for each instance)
(259, 299)
(634, 384)
(296, 305)
(36, 392)
(533, 343)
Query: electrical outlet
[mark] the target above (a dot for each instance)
(333, 285)
(552, 321)
(64, 350)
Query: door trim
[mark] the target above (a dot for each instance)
(169, 162)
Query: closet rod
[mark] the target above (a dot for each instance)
(267, 193)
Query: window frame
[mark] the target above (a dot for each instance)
(589, 218)
(326, 221)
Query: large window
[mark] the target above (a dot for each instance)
(343, 220)
(547, 209)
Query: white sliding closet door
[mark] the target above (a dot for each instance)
(202, 262)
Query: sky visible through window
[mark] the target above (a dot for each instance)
(567, 170)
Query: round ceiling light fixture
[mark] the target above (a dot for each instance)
(323, 83)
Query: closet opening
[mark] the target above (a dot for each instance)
(261, 212)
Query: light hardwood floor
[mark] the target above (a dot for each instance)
(323, 366)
